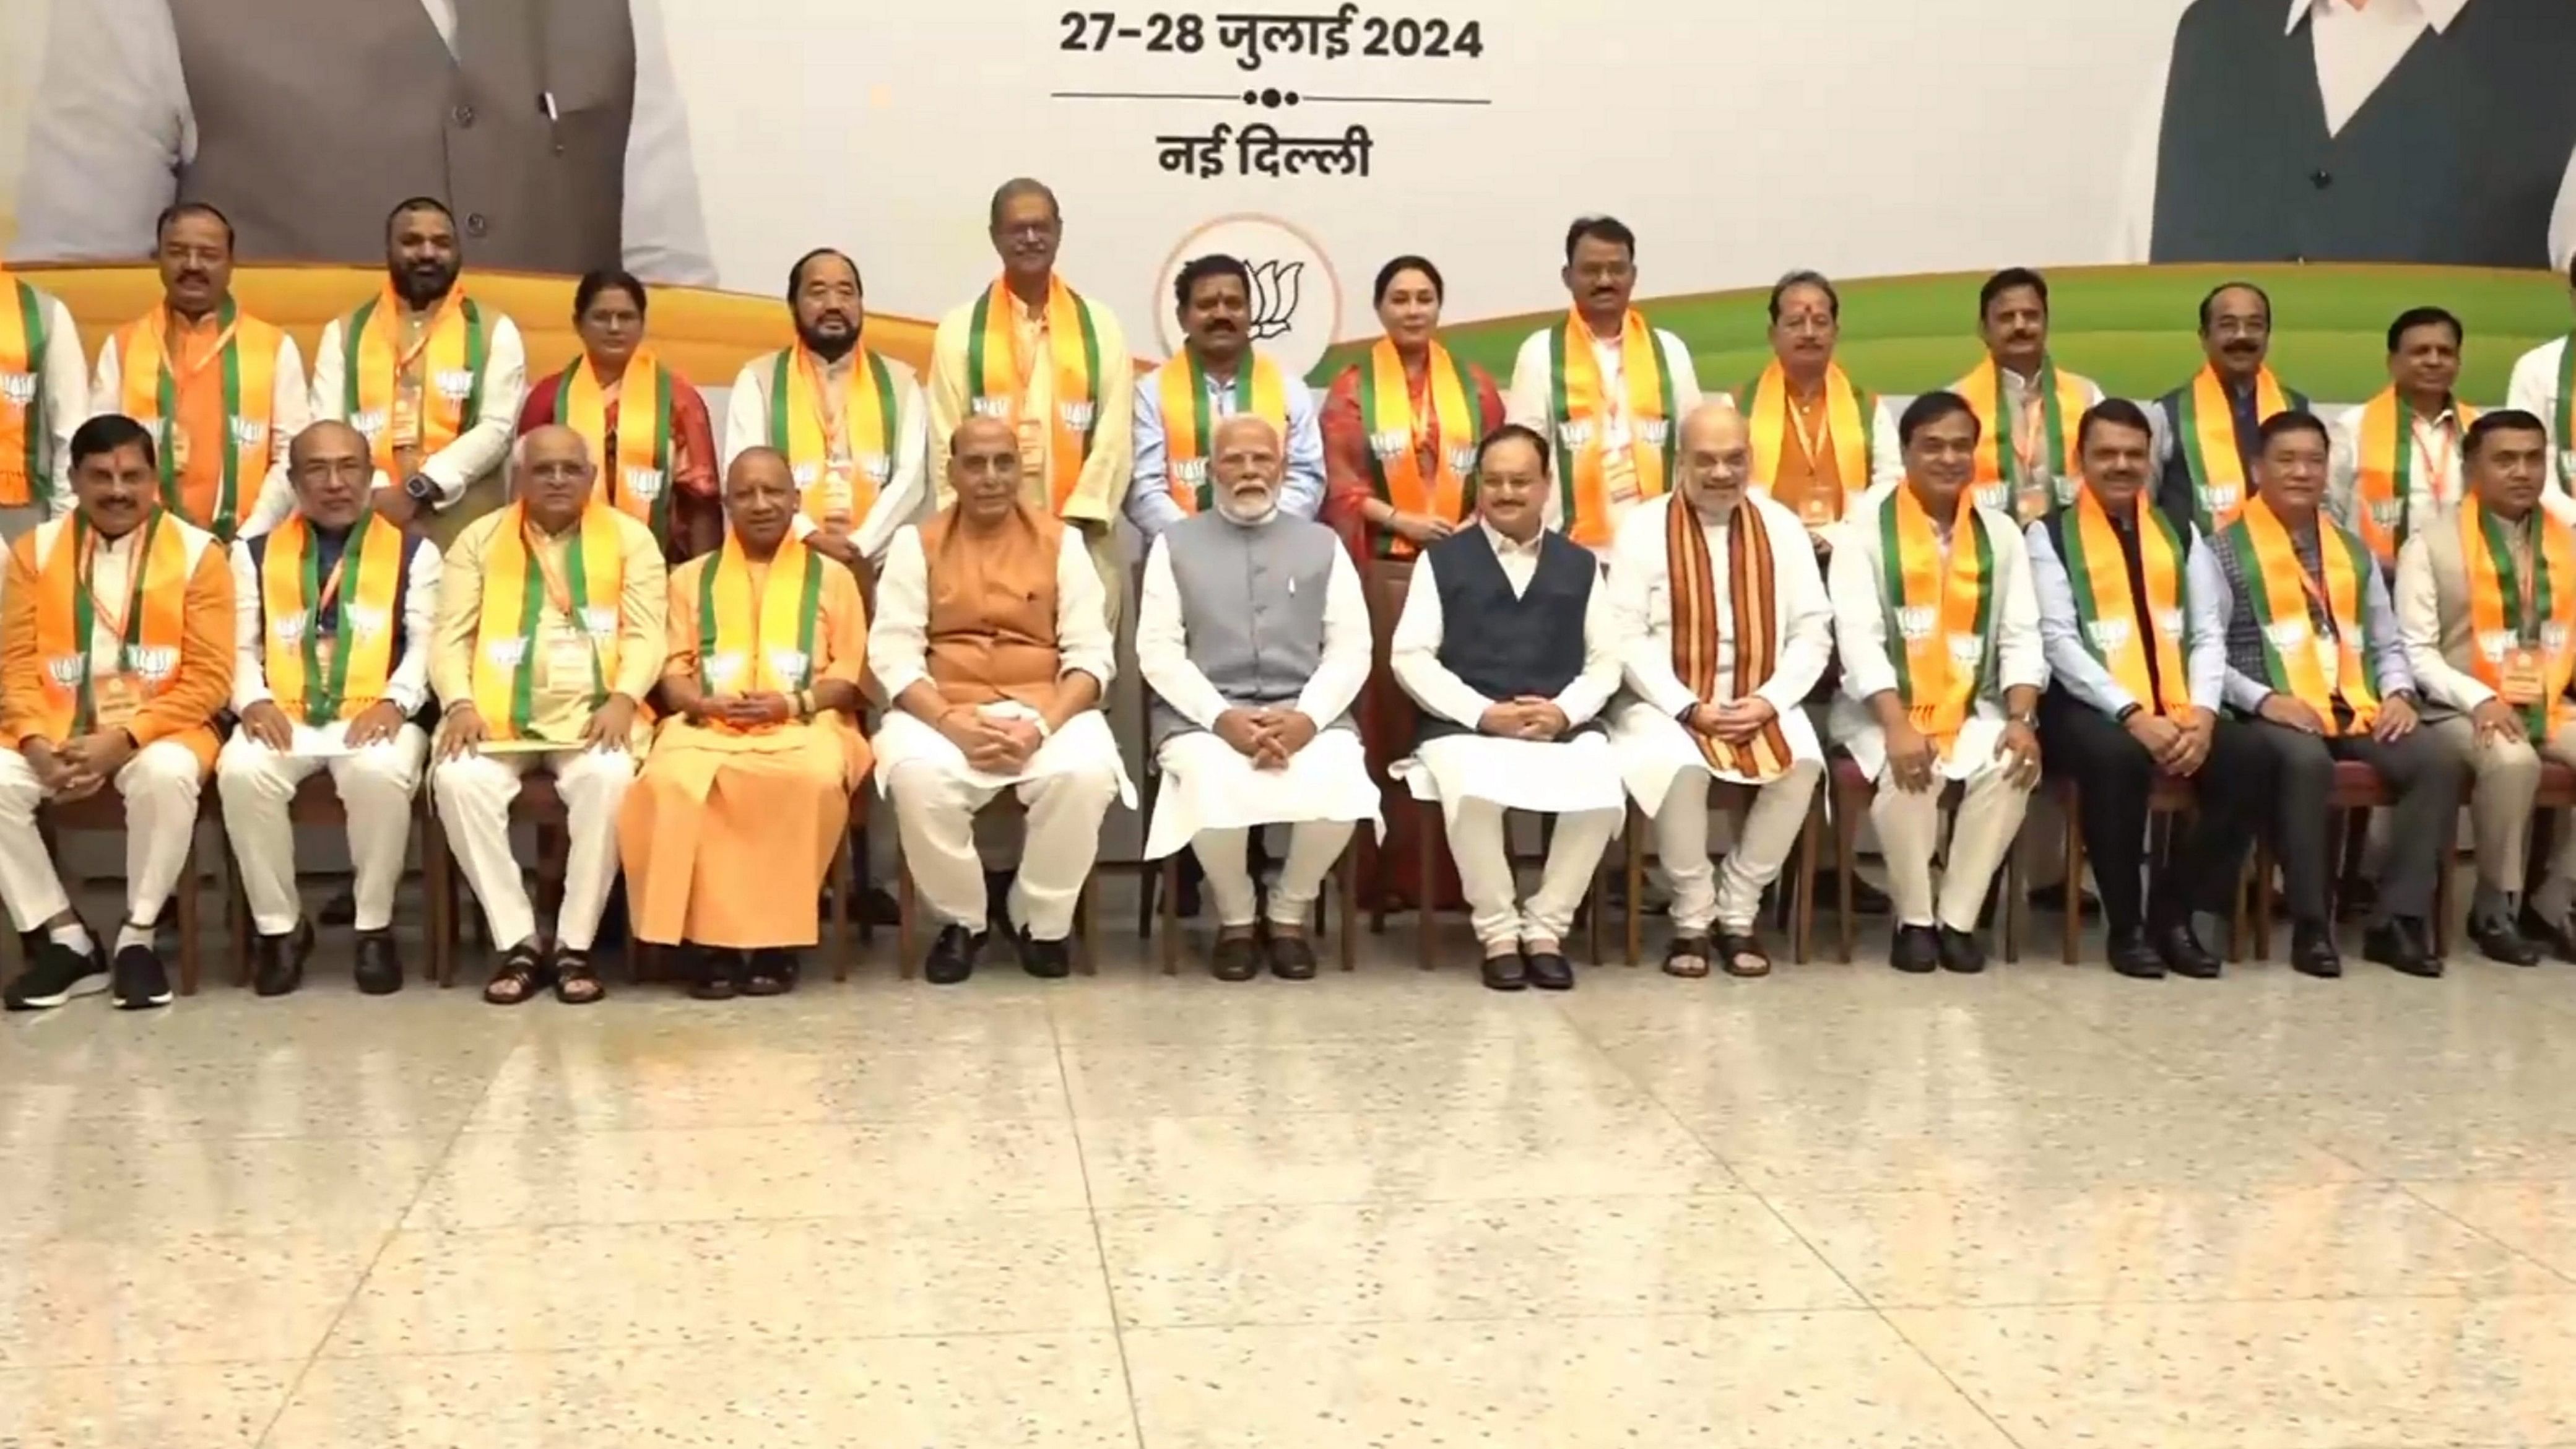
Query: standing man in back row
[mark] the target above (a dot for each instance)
(1052, 363)
(1218, 375)
(1604, 387)
(2209, 431)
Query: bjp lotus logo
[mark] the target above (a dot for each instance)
(1276, 289)
(1296, 297)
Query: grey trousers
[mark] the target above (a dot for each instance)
(2426, 772)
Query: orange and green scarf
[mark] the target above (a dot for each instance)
(2509, 614)
(1999, 480)
(212, 411)
(2106, 611)
(1395, 434)
(518, 594)
(637, 481)
(156, 619)
(24, 448)
(2385, 474)
(2293, 657)
(762, 645)
(314, 679)
(1848, 411)
(1941, 612)
(2205, 432)
(1190, 419)
(1581, 407)
(799, 429)
(453, 356)
(994, 369)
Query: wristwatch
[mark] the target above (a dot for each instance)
(419, 489)
(2026, 720)
(2126, 713)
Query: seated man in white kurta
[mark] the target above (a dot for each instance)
(1253, 637)
(1724, 628)
(1505, 643)
(1938, 629)
(991, 643)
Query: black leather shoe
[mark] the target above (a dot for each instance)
(1046, 960)
(1292, 958)
(2394, 945)
(1549, 971)
(2184, 955)
(2312, 950)
(2131, 956)
(1507, 972)
(2558, 936)
(952, 955)
(2500, 941)
(1916, 949)
(714, 975)
(380, 968)
(1235, 958)
(1960, 952)
(279, 960)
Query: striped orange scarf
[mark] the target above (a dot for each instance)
(1752, 616)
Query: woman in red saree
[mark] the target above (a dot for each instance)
(663, 470)
(1400, 432)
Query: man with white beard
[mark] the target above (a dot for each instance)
(1252, 634)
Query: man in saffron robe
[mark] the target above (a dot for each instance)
(737, 814)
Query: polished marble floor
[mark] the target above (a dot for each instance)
(2044, 1207)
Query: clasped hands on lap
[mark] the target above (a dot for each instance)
(76, 769)
(1270, 738)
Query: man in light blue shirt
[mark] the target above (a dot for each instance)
(2128, 601)
(1217, 375)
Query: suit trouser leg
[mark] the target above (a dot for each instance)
(2504, 778)
(2428, 772)
(1990, 811)
(2302, 771)
(2229, 796)
(258, 784)
(2115, 775)
(1909, 832)
(1770, 832)
(1224, 863)
(33, 888)
(2559, 882)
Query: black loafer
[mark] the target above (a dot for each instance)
(1507, 972)
(1046, 960)
(1915, 950)
(1549, 971)
(280, 960)
(1292, 958)
(2392, 945)
(380, 968)
(2183, 954)
(2132, 957)
(2500, 941)
(2558, 936)
(1235, 958)
(2312, 951)
(1960, 952)
(952, 956)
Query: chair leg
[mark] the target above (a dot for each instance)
(1802, 930)
(1350, 904)
(1168, 875)
(1428, 821)
(1087, 928)
(187, 893)
(903, 921)
(2071, 932)
(1633, 917)
(839, 875)
(2017, 902)
(1846, 829)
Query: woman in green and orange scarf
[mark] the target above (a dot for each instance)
(657, 464)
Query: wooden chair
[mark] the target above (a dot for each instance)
(1386, 720)
(1086, 959)
(2167, 799)
(2358, 790)
(104, 813)
(1853, 792)
(1799, 879)
(1346, 874)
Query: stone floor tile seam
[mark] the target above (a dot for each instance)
(384, 1244)
(1427, 1320)
(2409, 1187)
(1099, 1246)
(1868, 1304)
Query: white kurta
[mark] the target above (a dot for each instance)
(898, 655)
(1646, 725)
(1861, 616)
(1530, 400)
(902, 494)
(1207, 783)
(1553, 777)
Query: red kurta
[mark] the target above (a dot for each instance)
(697, 503)
(1386, 713)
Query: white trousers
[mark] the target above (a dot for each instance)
(934, 810)
(1909, 833)
(1485, 878)
(1729, 896)
(160, 788)
(1313, 847)
(474, 794)
(376, 786)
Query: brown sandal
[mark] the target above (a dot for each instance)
(1687, 957)
(1743, 954)
(517, 980)
(577, 982)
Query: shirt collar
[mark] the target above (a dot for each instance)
(1503, 544)
(2437, 13)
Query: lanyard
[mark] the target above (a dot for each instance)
(2435, 449)
(122, 622)
(834, 413)
(181, 374)
(1812, 443)
(2030, 432)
